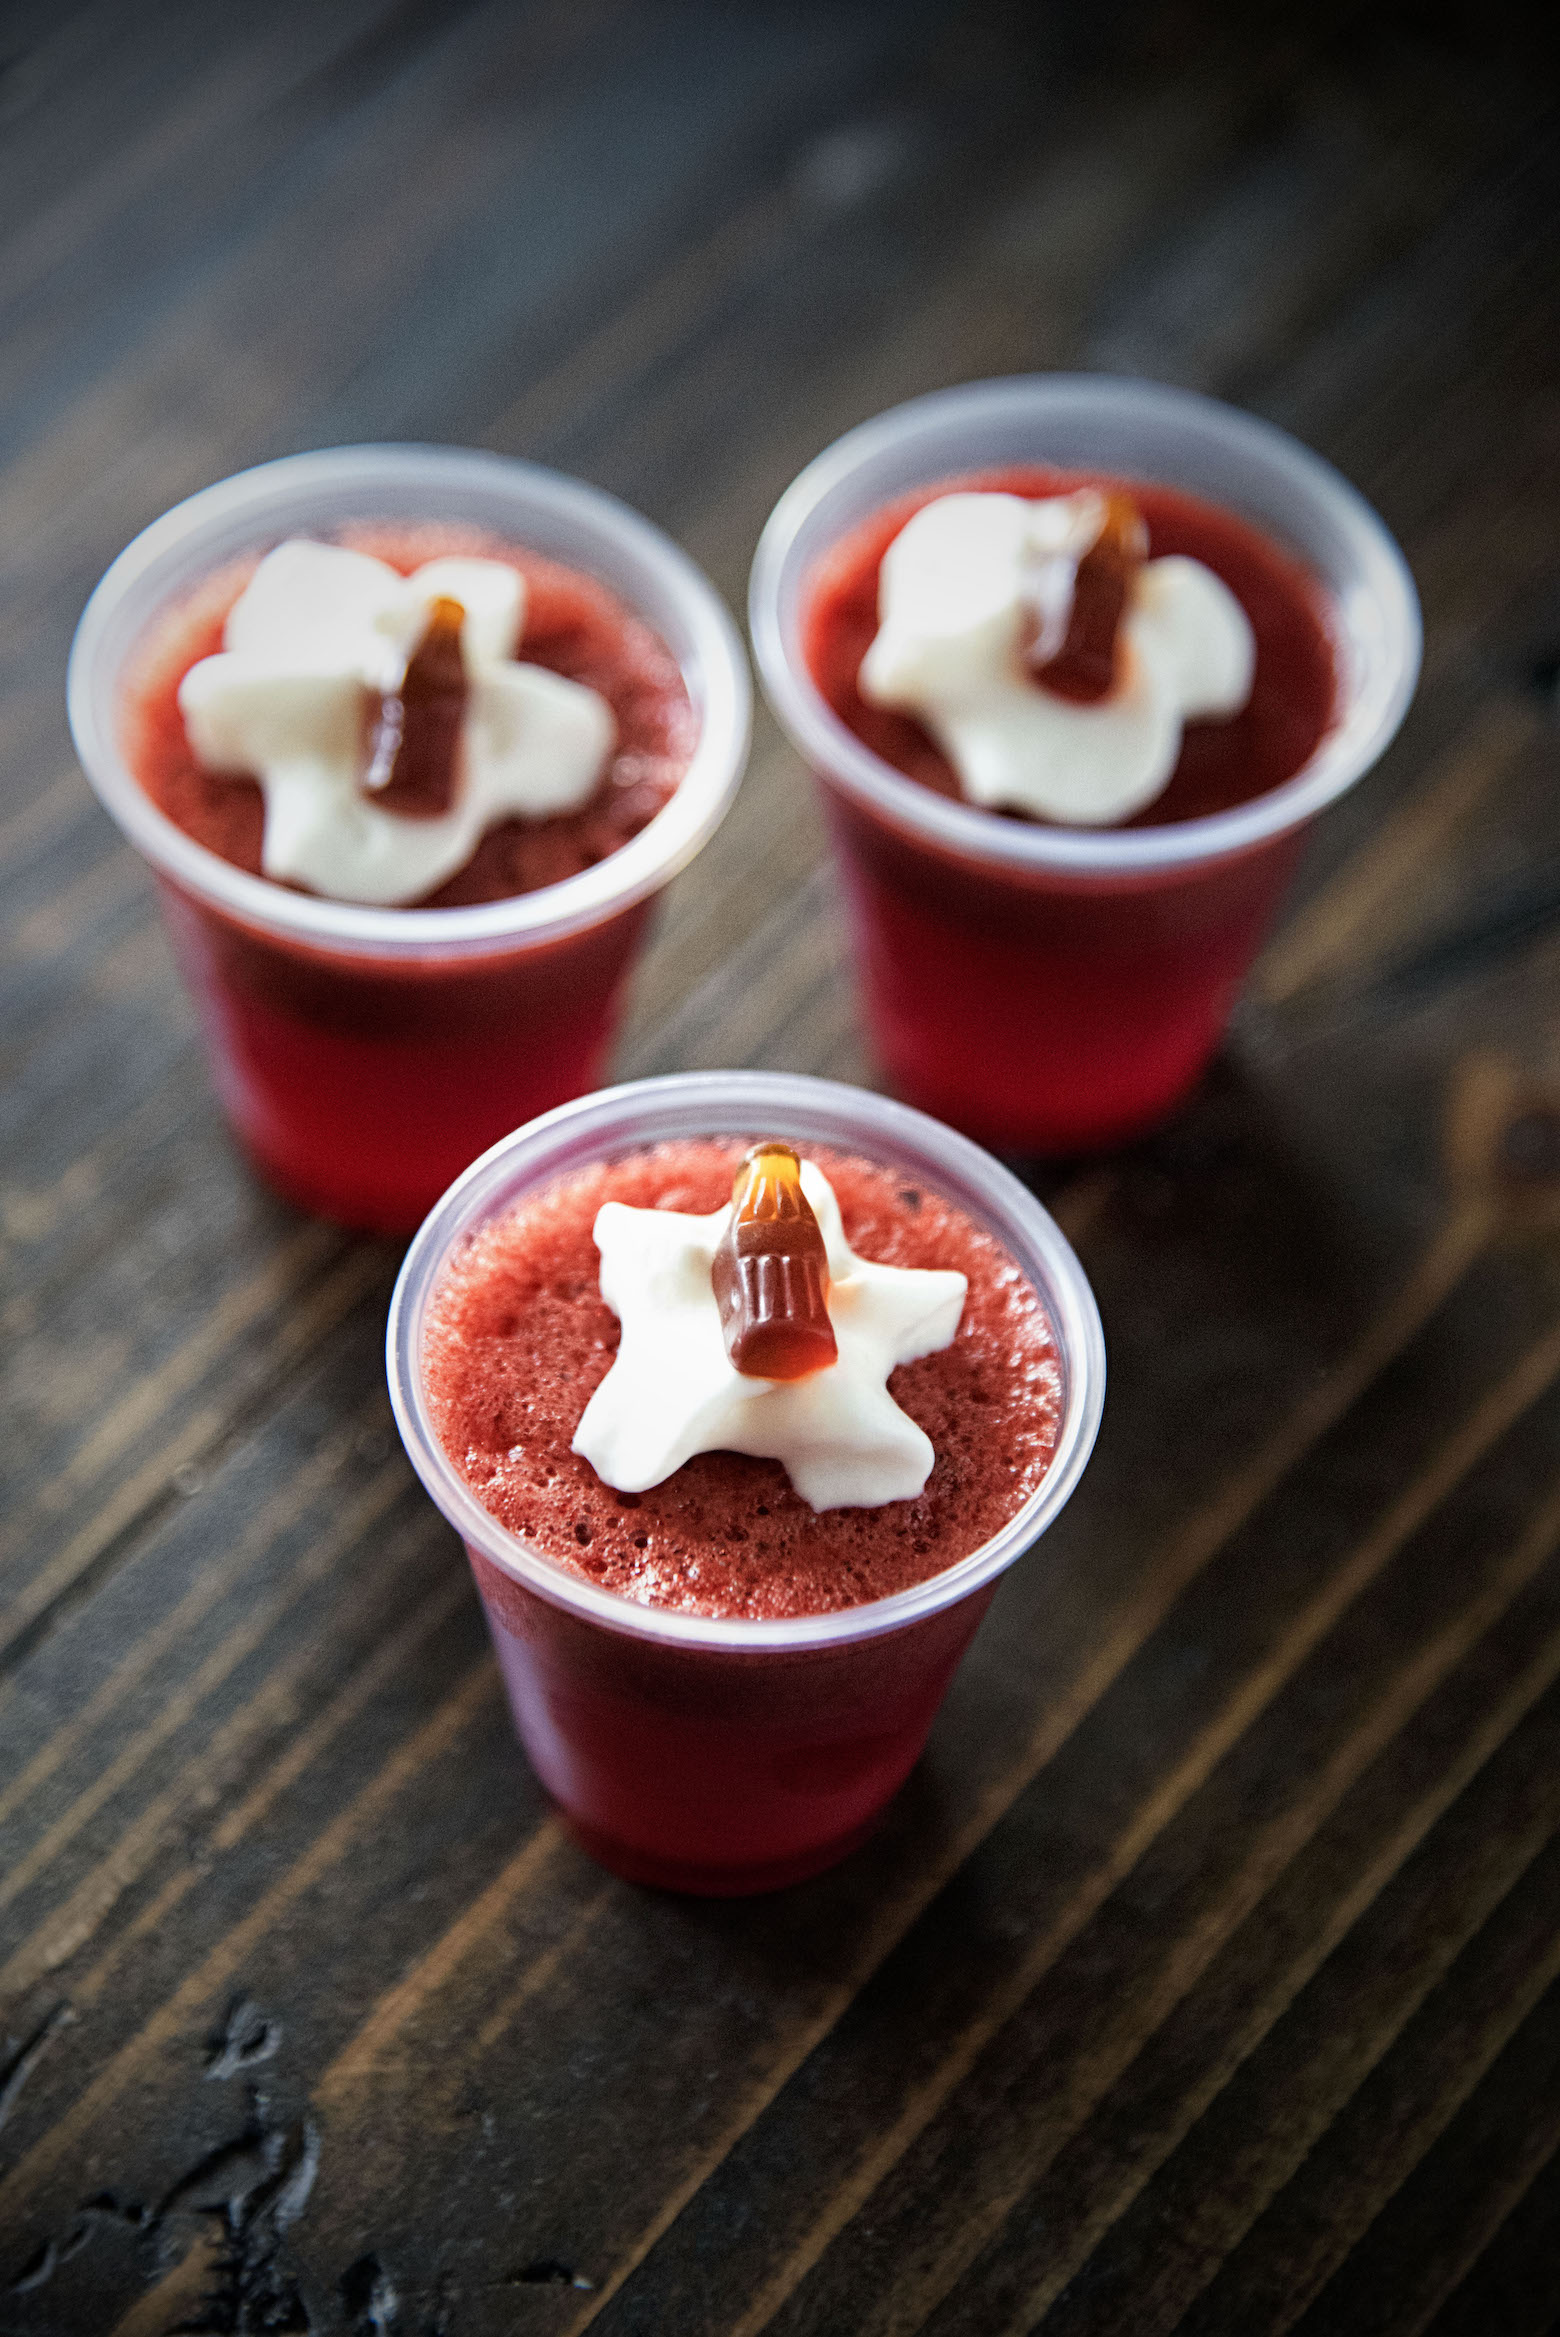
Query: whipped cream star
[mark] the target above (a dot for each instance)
(672, 1391)
(315, 633)
(960, 585)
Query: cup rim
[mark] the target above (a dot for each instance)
(1342, 756)
(638, 868)
(818, 1110)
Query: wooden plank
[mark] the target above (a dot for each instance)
(1202, 1977)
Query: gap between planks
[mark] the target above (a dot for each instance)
(1343, 927)
(369, 2047)
(458, 1710)
(309, 1322)
(215, 1578)
(1495, 2213)
(1355, 2216)
(68, 1925)
(1404, 1696)
(303, 1749)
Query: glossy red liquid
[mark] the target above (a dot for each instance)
(1052, 1013)
(361, 1085)
(714, 1770)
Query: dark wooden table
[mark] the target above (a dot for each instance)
(1205, 1976)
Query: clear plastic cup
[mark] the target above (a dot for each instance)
(366, 1055)
(1052, 989)
(727, 1756)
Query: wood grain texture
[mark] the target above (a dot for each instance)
(1205, 1976)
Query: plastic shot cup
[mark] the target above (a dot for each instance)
(714, 1755)
(1054, 989)
(366, 1055)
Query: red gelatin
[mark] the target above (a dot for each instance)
(1045, 1011)
(724, 1770)
(573, 625)
(363, 1085)
(1293, 691)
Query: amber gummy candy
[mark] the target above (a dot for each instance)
(771, 1272)
(414, 748)
(1084, 667)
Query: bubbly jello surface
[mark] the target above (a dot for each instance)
(573, 625)
(518, 1338)
(1293, 701)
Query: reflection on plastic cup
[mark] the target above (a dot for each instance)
(719, 1755)
(364, 1055)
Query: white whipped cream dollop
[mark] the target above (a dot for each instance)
(963, 583)
(672, 1390)
(314, 632)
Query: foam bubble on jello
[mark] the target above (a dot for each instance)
(518, 1338)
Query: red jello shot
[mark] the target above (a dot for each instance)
(366, 1055)
(1053, 989)
(709, 1751)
